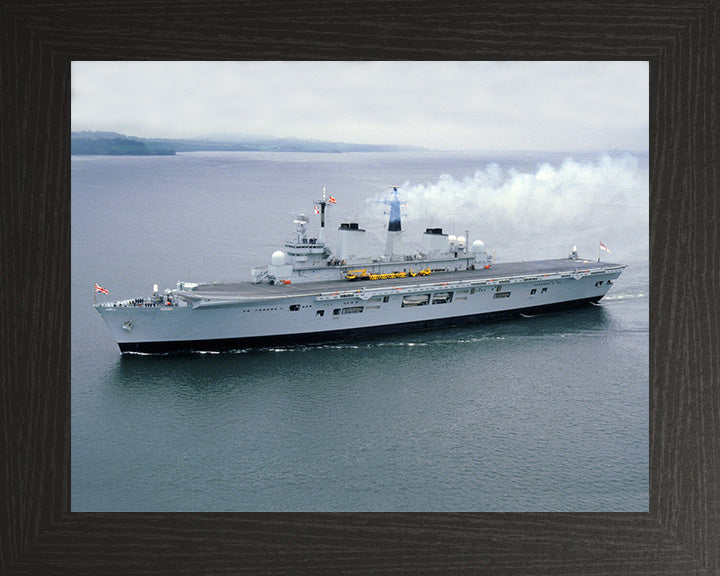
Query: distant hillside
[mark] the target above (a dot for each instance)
(112, 144)
(115, 144)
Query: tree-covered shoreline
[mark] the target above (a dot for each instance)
(115, 144)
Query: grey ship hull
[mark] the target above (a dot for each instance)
(243, 315)
(243, 342)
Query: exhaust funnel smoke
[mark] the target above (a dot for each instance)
(541, 214)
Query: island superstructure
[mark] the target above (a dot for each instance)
(307, 293)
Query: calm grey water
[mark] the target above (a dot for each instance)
(547, 413)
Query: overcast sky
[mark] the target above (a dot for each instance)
(479, 106)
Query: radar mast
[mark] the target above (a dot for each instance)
(393, 247)
(320, 209)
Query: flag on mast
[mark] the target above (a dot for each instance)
(331, 200)
(603, 247)
(99, 288)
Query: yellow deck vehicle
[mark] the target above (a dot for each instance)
(363, 274)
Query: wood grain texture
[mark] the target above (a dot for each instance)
(38, 534)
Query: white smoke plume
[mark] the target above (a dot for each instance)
(538, 215)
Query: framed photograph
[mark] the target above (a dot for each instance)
(481, 348)
(43, 532)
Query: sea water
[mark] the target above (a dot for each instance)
(548, 413)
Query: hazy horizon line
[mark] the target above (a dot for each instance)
(235, 138)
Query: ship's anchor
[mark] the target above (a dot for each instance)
(127, 325)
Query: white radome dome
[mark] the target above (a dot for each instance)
(478, 246)
(278, 258)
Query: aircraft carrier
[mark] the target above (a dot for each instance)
(309, 294)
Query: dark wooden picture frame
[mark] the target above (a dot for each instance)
(681, 532)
